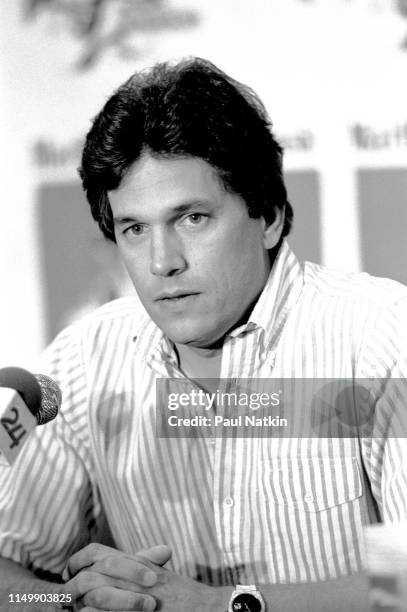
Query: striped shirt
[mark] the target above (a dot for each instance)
(232, 509)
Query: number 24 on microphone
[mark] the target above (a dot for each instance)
(16, 421)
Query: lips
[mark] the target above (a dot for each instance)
(175, 296)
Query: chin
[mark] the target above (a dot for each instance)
(183, 335)
(180, 337)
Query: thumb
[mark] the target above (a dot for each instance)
(159, 555)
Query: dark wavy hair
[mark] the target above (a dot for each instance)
(188, 109)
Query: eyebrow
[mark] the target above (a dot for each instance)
(171, 213)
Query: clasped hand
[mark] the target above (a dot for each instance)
(102, 578)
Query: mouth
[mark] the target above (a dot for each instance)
(177, 300)
(175, 297)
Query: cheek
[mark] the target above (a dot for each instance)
(219, 264)
(222, 281)
(240, 273)
(135, 270)
(235, 257)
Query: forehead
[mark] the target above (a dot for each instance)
(153, 183)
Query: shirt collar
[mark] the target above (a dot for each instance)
(156, 349)
(280, 293)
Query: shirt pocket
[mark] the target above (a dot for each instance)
(312, 484)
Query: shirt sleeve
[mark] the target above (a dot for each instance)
(49, 505)
(385, 451)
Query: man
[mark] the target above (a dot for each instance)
(182, 171)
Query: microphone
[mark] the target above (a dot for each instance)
(26, 400)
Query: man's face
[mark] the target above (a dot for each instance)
(196, 258)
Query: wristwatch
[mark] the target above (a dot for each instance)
(246, 598)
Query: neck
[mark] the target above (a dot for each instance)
(197, 362)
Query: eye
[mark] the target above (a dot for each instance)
(196, 218)
(135, 230)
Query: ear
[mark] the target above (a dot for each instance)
(272, 231)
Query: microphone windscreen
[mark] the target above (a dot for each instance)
(51, 399)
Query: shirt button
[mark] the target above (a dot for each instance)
(228, 502)
(308, 498)
(272, 358)
(212, 441)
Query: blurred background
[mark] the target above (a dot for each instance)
(332, 74)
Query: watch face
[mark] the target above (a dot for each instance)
(246, 602)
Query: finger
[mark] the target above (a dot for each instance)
(85, 557)
(88, 580)
(111, 562)
(110, 598)
(128, 569)
(159, 554)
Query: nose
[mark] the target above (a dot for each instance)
(167, 258)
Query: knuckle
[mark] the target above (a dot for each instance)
(137, 601)
(134, 600)
(85, 581)
(138, 574)
(94, 548)
(108, 563)
(143, 575)
(95, 598)
(82, 581)
(92, 580)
